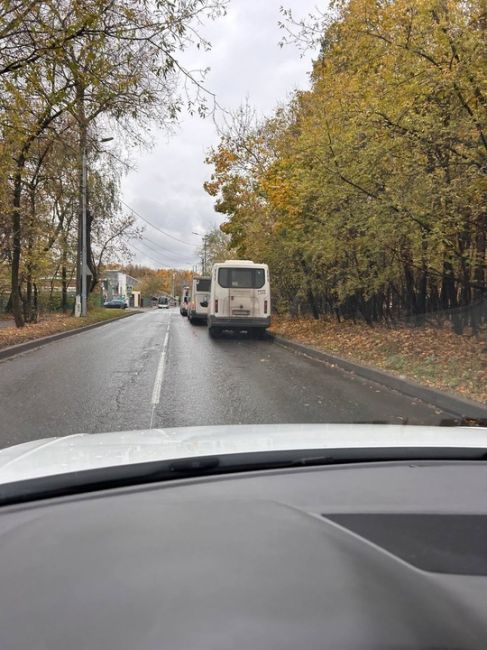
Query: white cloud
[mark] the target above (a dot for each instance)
(245, 61)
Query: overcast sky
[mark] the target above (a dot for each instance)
(166, 186)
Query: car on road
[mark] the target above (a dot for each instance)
(163, 303)
(240, 297)
(279, 536)
(197, 310)
(116, 303)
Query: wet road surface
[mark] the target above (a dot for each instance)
(157, 370)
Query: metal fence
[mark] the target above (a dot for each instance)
(472, 317)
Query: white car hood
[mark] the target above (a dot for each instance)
(78, 452)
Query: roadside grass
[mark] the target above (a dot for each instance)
(433, 356)
(54, 323)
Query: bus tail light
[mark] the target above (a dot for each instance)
(216, 306)
(265, 306)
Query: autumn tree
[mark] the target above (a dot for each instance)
(366, 194)
(111, 63)
(216, 249)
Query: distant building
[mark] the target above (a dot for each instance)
(117, 284)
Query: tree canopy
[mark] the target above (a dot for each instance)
(367, 193)
(71, 72)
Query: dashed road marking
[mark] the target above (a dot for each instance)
(156, 391)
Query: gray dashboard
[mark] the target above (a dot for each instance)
(365, 556)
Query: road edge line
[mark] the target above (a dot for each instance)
(13, 350)
(457, 406)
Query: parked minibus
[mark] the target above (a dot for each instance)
(240, 297)
(183, 306)
(199, 299)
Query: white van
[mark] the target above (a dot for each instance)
(183, 305)
(199, 300)
(240, 297)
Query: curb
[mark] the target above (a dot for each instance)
(457, 406)
(13, 350)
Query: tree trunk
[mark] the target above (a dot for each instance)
(64, 285)
(16, 245)
(312, 302)
(30, 303)
(410, 295)
(35, 304)
(91, 258)
(83, 128)
(448, 296)
(28, 298)
(363, 308)
(422, 294)
(479, 274)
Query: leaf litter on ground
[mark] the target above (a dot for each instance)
(432, 355)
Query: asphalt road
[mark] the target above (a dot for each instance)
(157, 370)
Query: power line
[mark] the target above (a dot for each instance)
(157, 261)
(157, 248)
(167, 263)
(156, 227)
(163, 232)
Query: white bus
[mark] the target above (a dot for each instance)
(198, 302)
(183, 305)
(240, 297)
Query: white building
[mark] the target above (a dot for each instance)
(117, 284)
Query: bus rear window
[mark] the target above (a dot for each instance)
(204, 284)
(241, 278)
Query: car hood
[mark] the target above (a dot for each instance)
(85, 451)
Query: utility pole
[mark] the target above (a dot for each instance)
(84, 235)
(204, 252)
(81, 307)
(204, 258)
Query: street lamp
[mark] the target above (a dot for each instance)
(203, 237)
(84, 231)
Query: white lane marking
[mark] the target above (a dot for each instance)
(156, 392)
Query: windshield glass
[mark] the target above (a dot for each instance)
(203, 284)
(241, 278)
(220, 213)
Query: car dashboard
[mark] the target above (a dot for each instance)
(360, 556)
